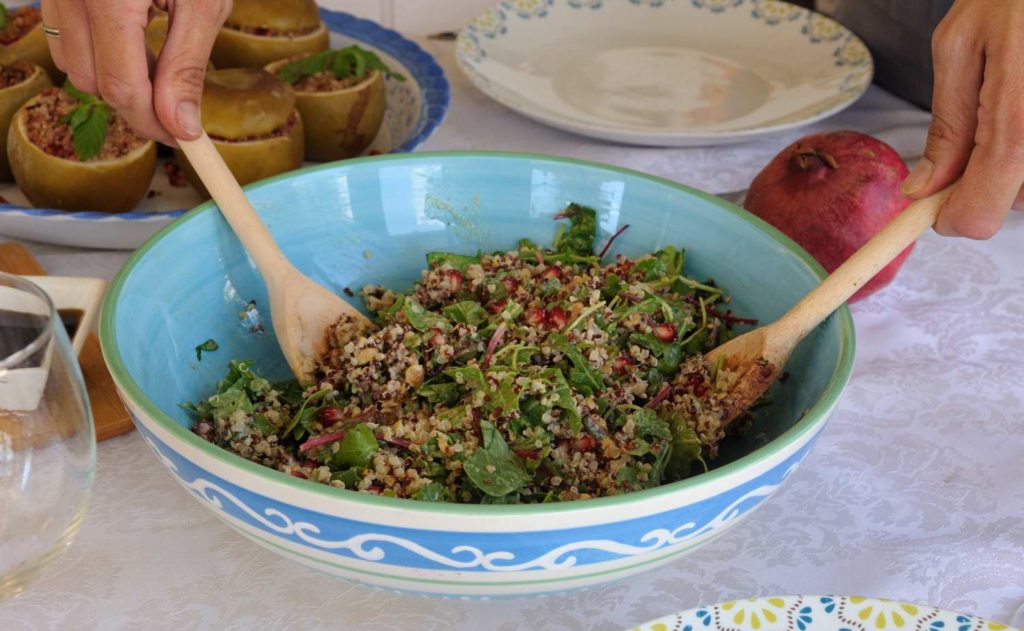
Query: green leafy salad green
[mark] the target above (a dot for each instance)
(540, 374)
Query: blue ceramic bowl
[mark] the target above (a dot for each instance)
(371, 221)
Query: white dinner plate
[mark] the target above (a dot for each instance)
(665, 72)
(415, 108)
(819, 613)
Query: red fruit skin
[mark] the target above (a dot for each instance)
(831, 192)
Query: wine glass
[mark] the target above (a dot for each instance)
(47, 444)
(1018, 618)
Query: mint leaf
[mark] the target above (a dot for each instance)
(88, 123)
(90, 135)
(83, 97)
(297, 70)
(3, 15)
(493, 468)
(352, 61)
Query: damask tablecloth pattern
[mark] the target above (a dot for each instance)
(913, 492)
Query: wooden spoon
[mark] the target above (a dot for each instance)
(300, 308)
(756, 358)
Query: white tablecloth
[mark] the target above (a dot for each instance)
(913, 492)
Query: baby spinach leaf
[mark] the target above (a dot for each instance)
(686, 449)
(613, 286)
(438, 392)
(458, 261)
(433, 492)
(649, 426)
(469, 376)
(357, 448)
(493, 468)
(505, 398)
(226, 403)
(664, 263)
(306, 415)
(419, 318)
(466, 312)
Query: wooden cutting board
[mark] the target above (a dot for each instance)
(109, 414)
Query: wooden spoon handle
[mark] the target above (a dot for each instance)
(235, 206)
(861, 267)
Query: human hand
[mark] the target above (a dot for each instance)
(102, 49)
(977, 129)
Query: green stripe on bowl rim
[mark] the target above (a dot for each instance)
(807, 423)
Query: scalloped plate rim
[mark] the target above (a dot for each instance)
(638, 135)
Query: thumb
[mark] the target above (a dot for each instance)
(955, 101)
(181, 67)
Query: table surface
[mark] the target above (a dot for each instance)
(913, 491)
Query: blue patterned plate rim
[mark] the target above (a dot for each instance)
(806, 424)
(436, 95)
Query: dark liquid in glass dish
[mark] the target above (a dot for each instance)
(18, 330)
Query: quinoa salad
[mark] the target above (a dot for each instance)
(535, 375)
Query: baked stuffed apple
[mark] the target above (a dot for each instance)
(250, 116)
(341, 96)
(71, 151)
(261, 31)
(20, 80)
(21, 32)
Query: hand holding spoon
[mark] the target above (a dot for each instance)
(301, 309)
(756, 358)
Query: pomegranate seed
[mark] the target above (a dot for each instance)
(586, 442)
(436, 337)
(497, 306)
(299, 474)
(665, 332)
(696, 383)
(330, 416)
(511, 284)
(312, 464)
(453, 278)
(557, 318)
(622, 363)
(550, 273)
(536, 316)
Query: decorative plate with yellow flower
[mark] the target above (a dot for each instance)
(819, 613)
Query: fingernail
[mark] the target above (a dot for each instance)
(919, 177)
(188, 118)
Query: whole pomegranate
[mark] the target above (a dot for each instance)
(831, 192)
